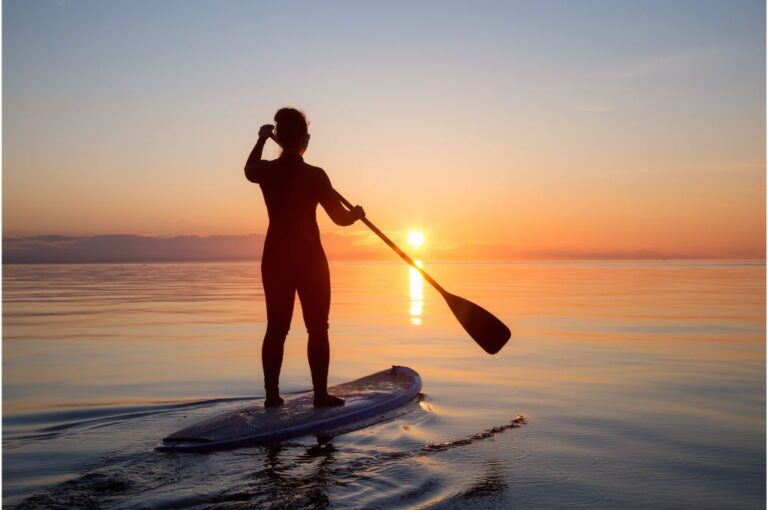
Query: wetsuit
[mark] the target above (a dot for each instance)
(293, 260)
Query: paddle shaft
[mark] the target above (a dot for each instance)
(392, 245)
(484, 327)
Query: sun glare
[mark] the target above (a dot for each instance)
(415, 239)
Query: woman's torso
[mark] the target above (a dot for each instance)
(292, 191)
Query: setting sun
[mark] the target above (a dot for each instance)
(415, 239)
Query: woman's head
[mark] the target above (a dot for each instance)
(291, 130)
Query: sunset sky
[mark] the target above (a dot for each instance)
(529, 127)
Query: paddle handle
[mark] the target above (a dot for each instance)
(392, 245)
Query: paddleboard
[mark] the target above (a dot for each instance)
(366, 398)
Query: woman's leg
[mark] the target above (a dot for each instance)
(314, 289)
(279, 293)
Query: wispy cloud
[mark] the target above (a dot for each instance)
(593, 108)
(682, 60)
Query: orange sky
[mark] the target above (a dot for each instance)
(613, 133)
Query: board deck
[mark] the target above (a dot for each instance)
(254, 424)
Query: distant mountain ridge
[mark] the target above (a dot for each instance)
(53, 249)
(124, 248)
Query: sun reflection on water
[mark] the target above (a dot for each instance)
(417, 294)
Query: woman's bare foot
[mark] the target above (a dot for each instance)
(328, 400)
(273, 401)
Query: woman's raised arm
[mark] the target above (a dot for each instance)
(255, 165)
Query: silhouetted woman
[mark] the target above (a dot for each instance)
(293, 259)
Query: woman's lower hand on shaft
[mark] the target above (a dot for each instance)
(358, 212)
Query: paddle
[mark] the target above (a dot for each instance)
(484, 328)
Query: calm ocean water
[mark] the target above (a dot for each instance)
(642, 383)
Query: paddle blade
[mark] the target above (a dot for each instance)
(488, 331)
